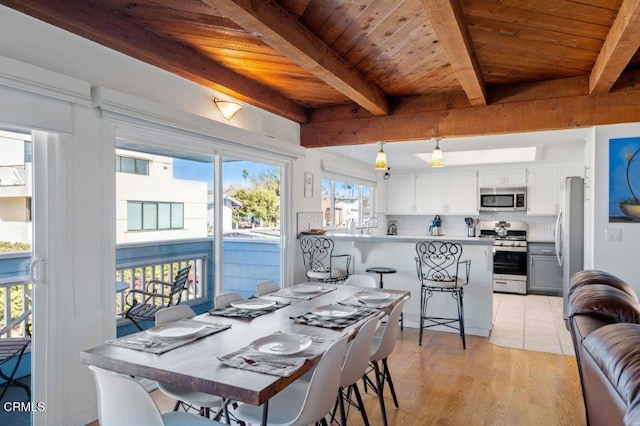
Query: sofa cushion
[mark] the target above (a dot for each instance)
(590, 277)
(603, 301)
(615, 348)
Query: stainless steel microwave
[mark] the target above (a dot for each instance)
(503, 199)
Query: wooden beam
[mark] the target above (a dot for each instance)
(621, 44)
(533, 115)
(449, 23)
(100, 25)
(289, 37)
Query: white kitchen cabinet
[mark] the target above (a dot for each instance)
(502, 177)
(447, 193)
(401, 194)
(543, 194)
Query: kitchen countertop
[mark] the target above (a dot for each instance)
(364, 238)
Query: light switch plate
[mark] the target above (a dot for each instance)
(613, 234)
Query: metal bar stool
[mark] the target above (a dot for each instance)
(381, 270)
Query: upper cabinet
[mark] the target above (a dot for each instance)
(545, 186)
(502, 177)
(401, 194)
(452, 192)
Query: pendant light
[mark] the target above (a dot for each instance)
(381, 159)
(437, 160)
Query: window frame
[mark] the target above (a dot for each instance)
(361, 217)
(157, 205)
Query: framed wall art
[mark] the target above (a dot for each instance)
(624, 180)
(308, 185)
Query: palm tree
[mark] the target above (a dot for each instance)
(245, 175)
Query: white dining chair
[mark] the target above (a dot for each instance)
(384, 340)
(224, 299)
(362, 280)
(123, 401)
(186, 397)
(354, 367)
(266, 287)
(303, 402)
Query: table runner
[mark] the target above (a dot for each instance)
(145, 342)
(330, 322)
(230, 311)
(276, 365)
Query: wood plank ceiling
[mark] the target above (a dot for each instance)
(361, 71)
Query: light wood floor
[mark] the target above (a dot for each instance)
(440, 383)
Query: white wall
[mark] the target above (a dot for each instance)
(619, 258)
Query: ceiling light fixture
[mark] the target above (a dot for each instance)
(227, 109)
(437, 160)
(381, 159)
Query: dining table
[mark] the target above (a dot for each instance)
(198, 366)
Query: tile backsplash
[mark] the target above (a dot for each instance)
(540, 228)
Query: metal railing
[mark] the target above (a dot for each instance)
(15, 307)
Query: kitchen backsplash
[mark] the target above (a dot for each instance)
(540, 228)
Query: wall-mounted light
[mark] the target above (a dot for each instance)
(437, 160)
(381, 159)
(227, 109)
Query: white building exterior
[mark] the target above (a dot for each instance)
(15, 188)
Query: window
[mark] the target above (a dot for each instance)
(134, 166)
(152, 215)
(344, 201)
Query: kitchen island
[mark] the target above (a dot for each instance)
(399, 252)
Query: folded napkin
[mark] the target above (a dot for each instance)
(146, 342)
(230, 311)
(285, 292)
(250, 359)
(334, 322)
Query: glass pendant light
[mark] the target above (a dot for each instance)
(381, 159)
(437, 160)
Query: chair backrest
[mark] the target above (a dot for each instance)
(123, 401)
(323, 386)
(386, 335)
(266, 287)
(362, 280)
(316, 253)
(438, 261)
(223, 299)
(174, 313)
(356, 359)
(179, 285)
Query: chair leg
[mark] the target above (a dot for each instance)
(177, 406)
(11, 381)
(387, 375)
(379, 384)
(343, 414)
(363, 411)
(425, 295)
(461, 317)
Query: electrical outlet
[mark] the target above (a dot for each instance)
(613, 235)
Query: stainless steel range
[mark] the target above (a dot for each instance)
(509, 255)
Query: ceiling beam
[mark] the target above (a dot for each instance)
(621, 44)
(102, 26)
(520, 115)
(448, 21)
(284, 33)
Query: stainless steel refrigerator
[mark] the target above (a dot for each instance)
(569, 233)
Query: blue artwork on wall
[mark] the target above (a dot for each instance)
(624, 180)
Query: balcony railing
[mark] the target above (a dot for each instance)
(15, 307)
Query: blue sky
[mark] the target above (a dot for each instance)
(196, 170)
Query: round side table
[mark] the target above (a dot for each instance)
(381, 270)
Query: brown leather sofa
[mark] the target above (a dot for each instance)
(604, 321)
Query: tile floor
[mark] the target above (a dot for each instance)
(530, 322)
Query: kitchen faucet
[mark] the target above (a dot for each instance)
(373, 219)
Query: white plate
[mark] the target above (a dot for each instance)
(371, 296)
(281, 344)
(305, 288)
(176, 330)
(253, 304)
(334, 311)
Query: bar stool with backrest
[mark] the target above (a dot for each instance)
(438, 265)
(320, 264)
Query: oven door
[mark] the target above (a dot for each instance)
(510, 261)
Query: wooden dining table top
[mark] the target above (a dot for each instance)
(196, 365)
